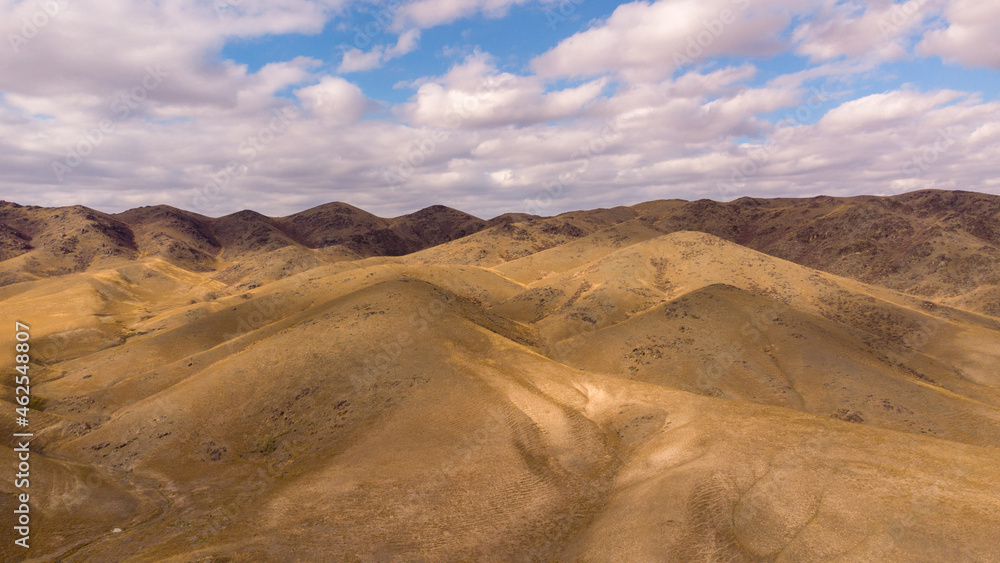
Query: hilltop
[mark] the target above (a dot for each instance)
(753, 380)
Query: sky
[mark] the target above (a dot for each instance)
(492, 106)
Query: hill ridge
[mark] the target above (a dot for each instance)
(941, 245)
(621, 384)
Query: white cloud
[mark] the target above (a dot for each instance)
(425, 14)
(882, 111)
(643, 41)
(637, 144)
(334, 100)
(406, 43)
(648, 41)
(355, 60)
(483, 136)
(882, 30)
(104, 48)
(475, 94)
(970, 36)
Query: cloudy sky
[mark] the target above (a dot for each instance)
(491, 106)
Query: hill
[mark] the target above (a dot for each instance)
(600, 385)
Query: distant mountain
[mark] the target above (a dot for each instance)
(936, 244)
(941, 245)
(670, 381)
(36, 241)
(586, 387)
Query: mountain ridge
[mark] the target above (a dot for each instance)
(582, 387)
(938, 244)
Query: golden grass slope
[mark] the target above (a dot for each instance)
(584, 389)
(694, 312)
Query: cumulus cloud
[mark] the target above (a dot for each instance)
(355, 60)
(648, 41)
(882, 111)
(883, 30)
(475, 94)
(334, 100)
(129, 103)
(424, 14)
(969, 36)
(103, 49)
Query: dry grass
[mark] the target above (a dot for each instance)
(584, 388)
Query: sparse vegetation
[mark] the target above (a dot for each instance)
(268, 446)
(612, 385)
(37, 403)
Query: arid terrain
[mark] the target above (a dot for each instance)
(758, 380)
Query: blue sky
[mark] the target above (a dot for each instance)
(524, 32)
(492, 105)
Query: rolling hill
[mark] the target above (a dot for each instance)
(758, 380)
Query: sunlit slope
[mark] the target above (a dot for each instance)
(507, 241)
(726, 342)
(327, 441)
(589, 389)
(727, 481)
(292, 404)
(576, 253)
(70, 503)
(940, 245)
(635, 279)
(691, 311)
(175, 345)
(79, 313)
